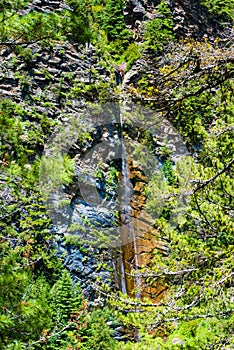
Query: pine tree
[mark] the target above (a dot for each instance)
(114, 25)
(66, 298)
(77, 21)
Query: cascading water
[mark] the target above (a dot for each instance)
(123, 279)
(128, 228)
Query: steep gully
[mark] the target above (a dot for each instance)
(137, 230)
(126, 215)
(136, 241)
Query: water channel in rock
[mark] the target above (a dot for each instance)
(140, 240)
(95, 202)
(127, 231)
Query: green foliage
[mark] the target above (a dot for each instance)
(25, 309)
(55, 171)
(131, 54)
(114, 20)
(99, 333)
(28, 262)
(73, 24)
(91, 92)
(20, 139)
(167, 169)
(31, 27)
(27, 55)
(220, 7)
(76, 22)
(189, 335)
(66, 298)
(113, 24)
(40, 305)
(159, 30)
(198, 334)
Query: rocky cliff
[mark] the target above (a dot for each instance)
(55, 80)
(191, 19)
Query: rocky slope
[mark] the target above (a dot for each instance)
(50, 82)
(56, 81)
(188, 15)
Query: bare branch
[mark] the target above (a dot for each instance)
(165, 273)
(22, 43)
(203, 214)
(29, 264)
(44, 338)
(227, 129)
(193, 317)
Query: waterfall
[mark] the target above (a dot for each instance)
(128, 230)
(123, 278)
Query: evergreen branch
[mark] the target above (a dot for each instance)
(225, 278)
(216, 81)
(8, 238)
(227, 129)
(28, 264)
(203, 215)
(10, 214)
(6, 18)
(186, 307)
(207, 182)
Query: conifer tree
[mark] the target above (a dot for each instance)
(114, 25)
(66, 297)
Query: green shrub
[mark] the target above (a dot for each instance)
(131, 54)
(220, 7)
(159, 30)
(99, 333)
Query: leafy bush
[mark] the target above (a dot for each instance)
(30, 27)
(131, 54)
(72, 24)
(99, 333)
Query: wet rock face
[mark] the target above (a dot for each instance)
(86, 266)
(139, 253)
(77, 231)
(92, 222)
(86, 225)
(135, 10)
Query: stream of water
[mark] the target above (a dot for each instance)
(128, 228)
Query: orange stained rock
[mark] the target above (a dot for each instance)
(141, 242)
